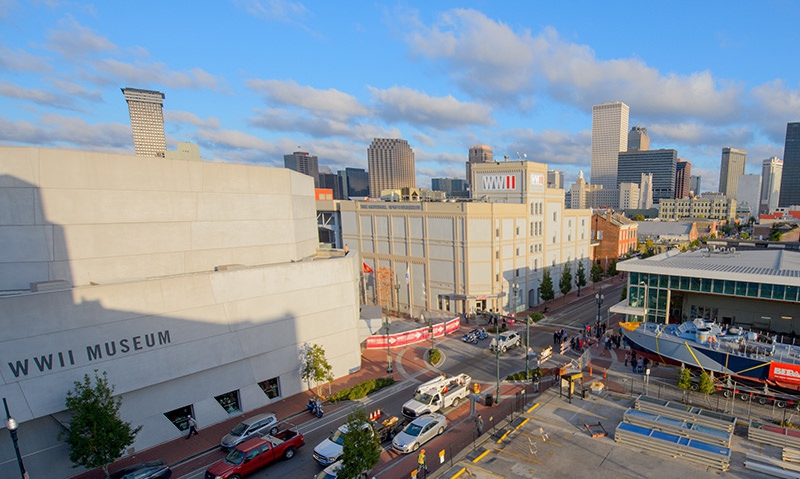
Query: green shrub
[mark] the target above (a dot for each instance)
(434, 356)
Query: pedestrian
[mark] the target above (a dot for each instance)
(479, 424)
(422, 465)
(192, 427)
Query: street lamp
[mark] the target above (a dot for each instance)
(11, 425)
(388, 352)
(642, 283)
(599, 297)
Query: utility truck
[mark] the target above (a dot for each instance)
(438, 394)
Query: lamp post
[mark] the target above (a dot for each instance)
(11, 425)
(388, 351)
(599, 297)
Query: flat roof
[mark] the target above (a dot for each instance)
(768, 266)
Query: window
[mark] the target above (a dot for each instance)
(230, 402)
(271, 387)
(180, 417)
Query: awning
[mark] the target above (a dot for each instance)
(623, 308)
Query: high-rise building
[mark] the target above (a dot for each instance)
(661, 163)
(790, 180)
(478, 154)
(147, 121)
(694, 185)
(748, 194)
(391, 165)
(638, 139)
(609, 138)
(731, 168)
(683, 171)
(304, 163)
(555, 179)
(771, 173)
(355, 183)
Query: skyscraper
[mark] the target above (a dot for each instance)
(683, 170)
(790, 181)
(771, 173)
(609, 138)
(661, 163)
(731, 168)
(391, 165)
(478, 154)
(638, 139)
(147, 120)
(304, 163)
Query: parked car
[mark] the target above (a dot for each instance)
(418, 432)
(250, 428)
(331, 471)
(146, 470)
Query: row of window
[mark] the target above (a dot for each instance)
(748, 289)
(230, 402)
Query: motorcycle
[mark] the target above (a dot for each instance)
(314, 406)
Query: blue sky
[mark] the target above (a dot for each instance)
(252, 80)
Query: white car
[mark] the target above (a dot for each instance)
(418, 432)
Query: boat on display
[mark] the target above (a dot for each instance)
(721, 349)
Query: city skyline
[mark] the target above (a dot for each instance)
(291, 76)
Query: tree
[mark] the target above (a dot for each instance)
(96, 435)
(580, 276)
(546, 290)
(596, 272)
(315, 366)
(565, 283)
(361, 450)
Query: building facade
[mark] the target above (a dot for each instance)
(147, 120)
(167, 275)
(484, 255)
(715, 207)
(609, 138)
(731, 168)
(661, 163)
(771, 173)
(391, 166)
(303, 162)
(683, 171)
(790, 179)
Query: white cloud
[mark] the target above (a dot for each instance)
(414, 107)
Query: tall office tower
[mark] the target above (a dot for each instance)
(355, 183)
(748, 193)
(555, 179)
(790, 180)
(661, 163)
(304, 163)
(609, 138)
(478, 154)
(147, 120)
(730, 169)
(771, 172)
(331, 180)
(638, 139)
(391, 165)
(694, 185)
(683, 171)
(646, 194)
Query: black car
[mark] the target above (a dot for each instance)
(146, 470)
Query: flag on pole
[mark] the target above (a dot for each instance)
(408, 271)
(366, 268)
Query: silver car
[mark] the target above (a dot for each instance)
(418, 432)
(249, 428)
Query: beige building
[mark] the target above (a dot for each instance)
(487, 254)
(186, 281)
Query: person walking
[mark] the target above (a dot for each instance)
(479, 424)
(192, 427)
(422, 465)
